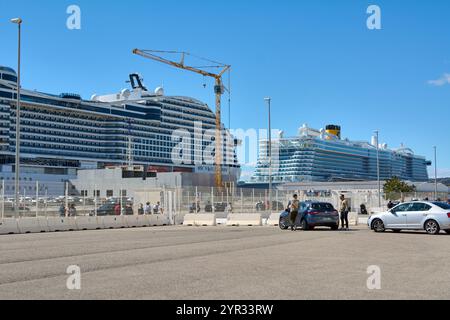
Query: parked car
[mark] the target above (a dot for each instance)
(420, 215)
(105, 210)
(276, 206)
(220, 206)
(312, 214)
(208, 207)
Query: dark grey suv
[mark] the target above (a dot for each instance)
(312, 214)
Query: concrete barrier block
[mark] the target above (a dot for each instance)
(244, 220)
(155, 220)
(143, 221)
(376, 210)
(152, 220)
(61, 224)
(363, 220)
(179, 219)
(205, 219)
(161, 219)
(274, 219)
(136, 221)
(87, 223)
(353, 218)
(32, 225)
(9, 226)
(113, 222)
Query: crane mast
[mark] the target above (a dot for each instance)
(218, 91)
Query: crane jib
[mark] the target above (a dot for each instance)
(219, 89)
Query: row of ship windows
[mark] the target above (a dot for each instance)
(65, 144)
(54, 122)
(332, 172)
(152, 157)
(329, 169)
(78, 119)
(158, 152)
(69, 118)
(29, 188)
(28, 126)
(326, 166)
(161, 140)
(20, 179)
(328, 147)
(311, 152)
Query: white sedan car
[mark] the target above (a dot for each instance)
(418, 215)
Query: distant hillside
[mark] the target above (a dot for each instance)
(445, 181)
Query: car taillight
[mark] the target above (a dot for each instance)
(314, 212)
(448, 214)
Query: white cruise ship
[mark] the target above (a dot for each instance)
(63, 133)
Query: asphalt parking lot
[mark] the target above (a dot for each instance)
(225, 263)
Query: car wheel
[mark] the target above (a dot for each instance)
(397, 231)
(282, 224)
(335, 227)
(304, 225)
(432, 227)
(378, 226)
(447, 231)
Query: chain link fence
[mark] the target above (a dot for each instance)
(46, 200)
(36, 201)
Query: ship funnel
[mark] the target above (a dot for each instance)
(137, 82)
(334, 130)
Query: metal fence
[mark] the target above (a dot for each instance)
(243, 200)
(179, 201)
(42, 200)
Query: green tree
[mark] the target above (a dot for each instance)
(394, 188)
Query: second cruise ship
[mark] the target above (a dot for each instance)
(321, 155)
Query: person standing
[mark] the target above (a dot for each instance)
(157, 208)
(293, 208)
(344, 208)
(62, 211)
(147, 208)
(141, 209)
(117, 209)
(390, 205)
(72, 210)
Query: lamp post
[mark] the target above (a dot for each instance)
(378, 168)
(269, 100)
(435, 174)
(17, 21)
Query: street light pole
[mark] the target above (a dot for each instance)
(378, 169)
(17, 21)
(435, 174)
(268, 100)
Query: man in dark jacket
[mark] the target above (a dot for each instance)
(293, 209)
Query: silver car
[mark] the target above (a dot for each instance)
(418, 215)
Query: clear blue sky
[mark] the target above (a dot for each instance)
(316, 59)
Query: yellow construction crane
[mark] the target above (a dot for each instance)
(218, 90)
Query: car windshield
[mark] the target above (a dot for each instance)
(322, 207)
(442, 205)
